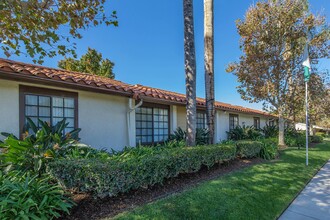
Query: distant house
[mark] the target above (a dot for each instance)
(315, 128)
(109, 112)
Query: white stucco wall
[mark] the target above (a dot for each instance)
(9, 107)
(222, 125)
(181, 117)
(103, 120)
(222, 121)
(102, 117)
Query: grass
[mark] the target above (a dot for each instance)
(259, 192)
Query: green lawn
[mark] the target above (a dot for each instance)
(259, 192)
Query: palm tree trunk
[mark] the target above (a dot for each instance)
(190, 70)
(209, 66)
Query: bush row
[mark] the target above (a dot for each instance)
(146, 166)
(132, 170)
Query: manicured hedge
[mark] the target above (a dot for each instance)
(316, 139)
(248, 149)
(137, 168)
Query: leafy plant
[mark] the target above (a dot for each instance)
(36, 149)
(25, 196)
(269, 149)
(248, 149)
(270, 131)
(202, 135)
(136, 167)
(244, 133)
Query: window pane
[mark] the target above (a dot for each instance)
(44, 101)
(58, 112)
(31, 100)
(68, 102)
(31, 111)
(44, 111)
(70, 121)
(68, 112)
(58, 102)
(56, 120)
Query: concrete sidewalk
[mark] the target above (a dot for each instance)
(314, 201)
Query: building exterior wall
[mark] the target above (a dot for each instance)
(181, 117)
(102, 117)
(9, 107)
(105, 119)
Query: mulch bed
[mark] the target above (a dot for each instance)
(90, 208)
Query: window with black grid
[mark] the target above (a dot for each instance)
(201, 120)
(271, 122)
(152, 125)
(233, 121)
(256, 122)
(50, 109)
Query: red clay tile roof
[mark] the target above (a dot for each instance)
(17, 70)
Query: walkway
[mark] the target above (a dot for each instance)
(314, 201)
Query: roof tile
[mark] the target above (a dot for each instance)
(98, 82)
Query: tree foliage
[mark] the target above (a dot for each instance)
(92, 62)
(43, 28)
(273, 37)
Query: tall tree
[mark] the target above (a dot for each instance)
(31, 26)
(209, 66)
(273, 37)
(190, 70)
(92, 62)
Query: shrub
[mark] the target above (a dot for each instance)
(248, 149)
(244, 133)
(298, 141)
(134, 168)
(270, 131)
(269, 149)
(36, 149)
(322, 134)
(202, 136)
(316, 139)
(23, 196)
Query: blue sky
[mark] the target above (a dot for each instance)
(147, 47)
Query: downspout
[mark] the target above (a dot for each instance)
(131, 109)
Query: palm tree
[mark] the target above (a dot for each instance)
(190, 70)
(209, 66)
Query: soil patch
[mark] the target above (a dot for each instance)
(90, 208)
